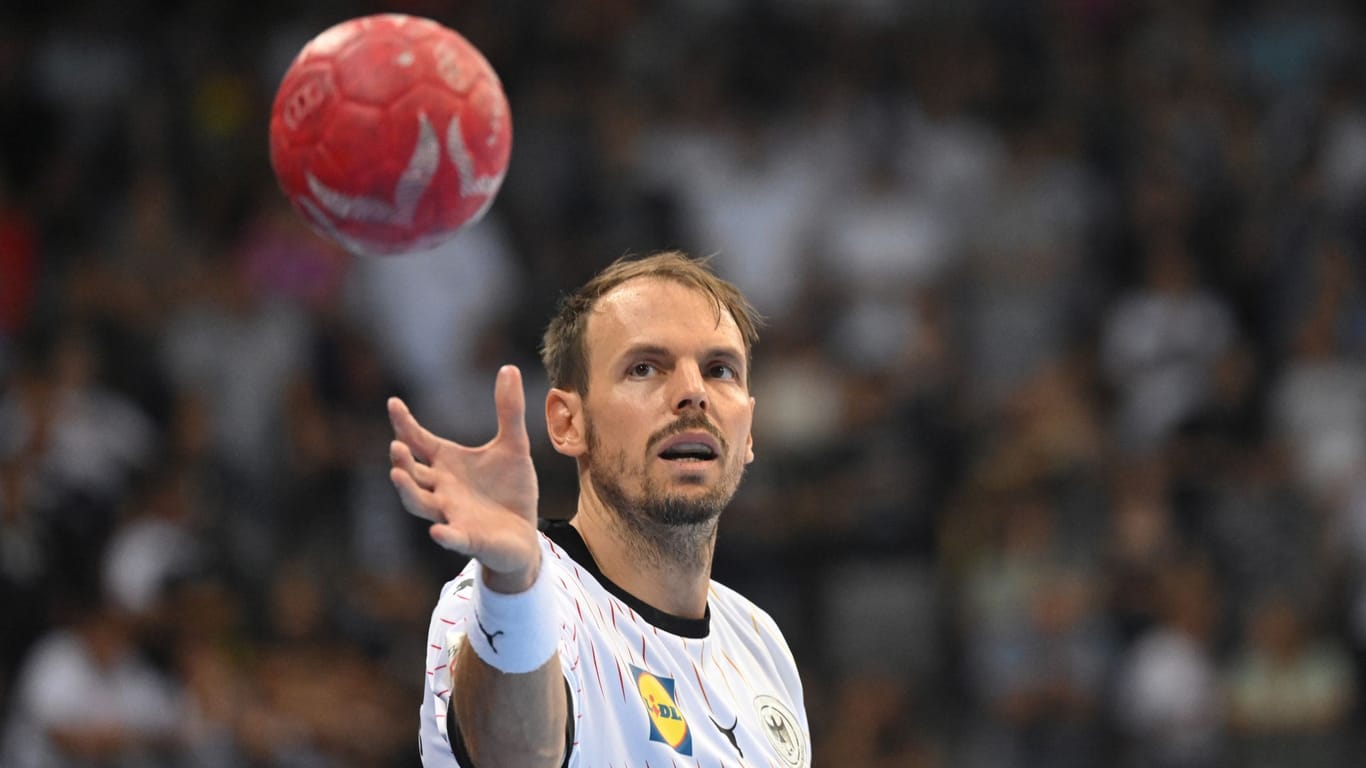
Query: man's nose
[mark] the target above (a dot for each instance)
(690, 388)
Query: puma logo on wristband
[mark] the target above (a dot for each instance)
(487, 635)
(527, 627)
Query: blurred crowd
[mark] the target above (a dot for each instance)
(1061, 423)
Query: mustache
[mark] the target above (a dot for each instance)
(692, 422)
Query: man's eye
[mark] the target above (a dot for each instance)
(642, 369)
(723, 371)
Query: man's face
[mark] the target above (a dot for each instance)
(668, 411)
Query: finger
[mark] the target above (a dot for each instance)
(406, 428)
(450, 537)
(510, 400)
(418, 501)
(401, 456)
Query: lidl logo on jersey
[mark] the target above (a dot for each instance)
(667, 724)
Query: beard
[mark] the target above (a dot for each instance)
(672, 525)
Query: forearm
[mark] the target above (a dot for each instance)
(509, 720)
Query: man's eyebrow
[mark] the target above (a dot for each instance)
(646, 349)
(726, 353)
(729, 355)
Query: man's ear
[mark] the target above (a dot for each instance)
(564, 421)
(749, 438)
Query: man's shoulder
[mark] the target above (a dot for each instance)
(745, 617)
(558, 549)
(462, 583)
(732, 599)
(720, 593)
(565, 551)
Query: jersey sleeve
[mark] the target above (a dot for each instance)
(786, 665)
(454, 615)
(445, 633)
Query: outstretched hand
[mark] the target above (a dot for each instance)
(481, 501)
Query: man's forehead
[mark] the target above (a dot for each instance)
(652, 304)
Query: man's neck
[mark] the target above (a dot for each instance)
(667, 567)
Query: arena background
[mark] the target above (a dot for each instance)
(1062, 399)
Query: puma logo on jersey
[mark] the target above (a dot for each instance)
(729, 733)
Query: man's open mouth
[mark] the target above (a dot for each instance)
(689, 448)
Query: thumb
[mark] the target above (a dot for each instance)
(509, 398)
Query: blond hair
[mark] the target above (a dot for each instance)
(564, 347)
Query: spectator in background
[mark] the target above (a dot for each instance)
(1038, 650)
(230, 354)
(1168, 697)
(1160, 345)
(74, 448)
(205, 630)
(1025, 275)
(1142, 542)
(1290, 690)
(430, 312)
(236, 348)
(19, 250)
(878, 723)
(1316, 406)
(85, 696)
(89, 440)
(307, 665)
(749, 194)
(282, 259)
(1263, 532)
(1348, 523)
(155, 544)
(27, 555)
(1341, 161)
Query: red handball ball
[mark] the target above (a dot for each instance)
(390, 133)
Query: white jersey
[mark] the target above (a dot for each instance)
(646, 689)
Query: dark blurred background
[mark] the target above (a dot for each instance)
(1061, 424)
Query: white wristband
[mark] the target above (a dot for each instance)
(515, 633)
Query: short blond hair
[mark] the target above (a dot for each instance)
(564, 347)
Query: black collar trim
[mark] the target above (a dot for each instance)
(567, 537)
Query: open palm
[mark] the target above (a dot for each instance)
(481, 501)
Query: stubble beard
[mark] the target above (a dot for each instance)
(667, 527)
